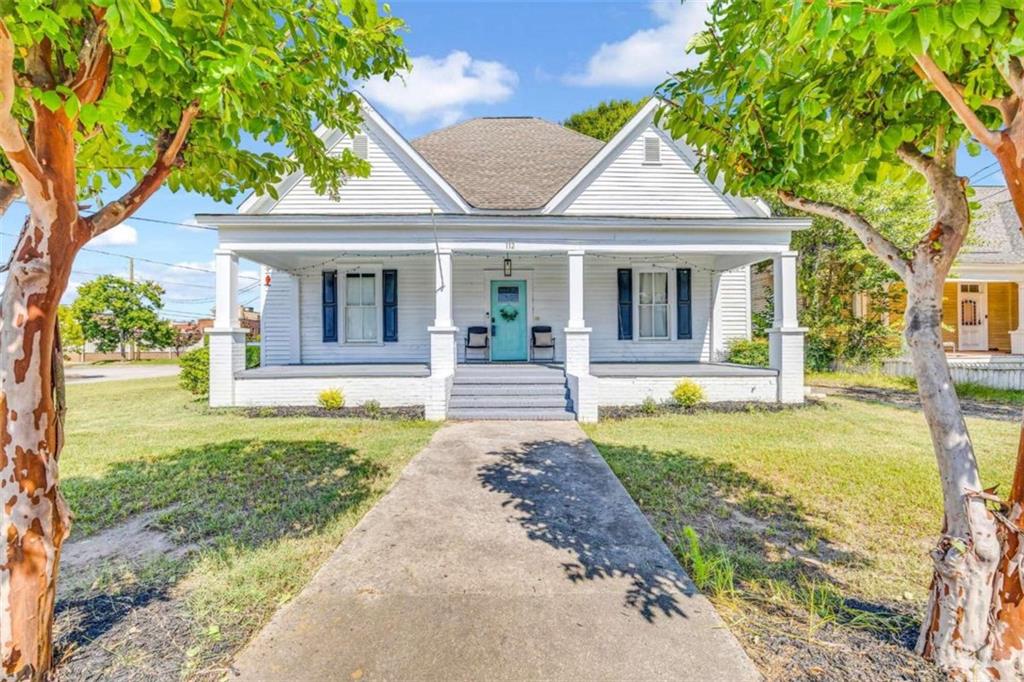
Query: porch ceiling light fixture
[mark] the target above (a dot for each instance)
(508, 266)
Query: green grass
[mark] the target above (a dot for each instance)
(815, 508)
(966, 391)
(262, 501)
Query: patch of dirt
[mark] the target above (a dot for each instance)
(119, 614)
(911, 401)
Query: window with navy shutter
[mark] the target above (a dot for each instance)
(684, 308)
(390, 305)
(329, 298)
(625, 304)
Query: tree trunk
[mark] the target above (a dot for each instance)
(35, 519)
(956, 627)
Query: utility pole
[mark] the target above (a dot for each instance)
(131, 278)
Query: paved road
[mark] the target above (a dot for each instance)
(506, 551)
(85, 374)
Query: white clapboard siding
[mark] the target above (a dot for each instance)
(600, 312)
(392, 187)
(547, 292)
(734, 306)
(279, 333)
(415, 314)
(629, 186)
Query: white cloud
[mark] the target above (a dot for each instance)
(119, 235)
(648, 56)
(442, 88)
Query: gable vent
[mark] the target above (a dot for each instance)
(652, 149)
(360, 146)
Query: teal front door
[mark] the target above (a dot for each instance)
(508, 320)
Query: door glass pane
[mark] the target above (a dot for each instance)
(508, 294)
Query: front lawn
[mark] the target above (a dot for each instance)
(814, 524)
(207, 522)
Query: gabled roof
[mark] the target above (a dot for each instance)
(995, 236)
(396, 143)
(614, 148)
(507, 163)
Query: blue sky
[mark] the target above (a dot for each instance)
(471, 58)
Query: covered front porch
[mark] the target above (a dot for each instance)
(391, 318)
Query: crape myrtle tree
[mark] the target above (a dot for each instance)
(792, 93)
(134, 96)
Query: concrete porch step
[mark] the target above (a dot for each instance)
(516, 400)
(511, 414)
(504, 390)
(508, 378)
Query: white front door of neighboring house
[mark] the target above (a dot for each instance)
(973, 322)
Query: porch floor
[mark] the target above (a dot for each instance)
(677, 369)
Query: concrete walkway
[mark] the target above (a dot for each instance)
(90, 374)
(506, 551)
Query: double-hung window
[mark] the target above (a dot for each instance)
(652, 305)
(362, 314)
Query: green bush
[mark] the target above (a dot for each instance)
(688, 393)
(373, 409)
(744, 352)
(649, 406)
(195, 367)
(195, 371)
(331, 399)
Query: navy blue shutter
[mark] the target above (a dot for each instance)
(625, 304)
(684, 308)
(330, 305)
(390, 305)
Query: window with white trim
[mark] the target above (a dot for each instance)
(362, 314)
(652, 305)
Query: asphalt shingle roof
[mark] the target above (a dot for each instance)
(995, 235)
(507, 163)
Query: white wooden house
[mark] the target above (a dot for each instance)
(431, 281)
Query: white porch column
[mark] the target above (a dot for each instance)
(577, 345)
(227, 336)
(443, 356)
(1017, 335)
(786, 338)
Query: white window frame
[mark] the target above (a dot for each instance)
(378, 274)
(670, 286)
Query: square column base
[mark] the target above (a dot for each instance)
(443, 358)
(227, 358)
(786, 354)
(1017, 342)
(582, 386)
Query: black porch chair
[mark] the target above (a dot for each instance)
(477, 339)
(541, 338)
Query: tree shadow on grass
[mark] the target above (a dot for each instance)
(562, 496)
(234, 495)
(784, 563)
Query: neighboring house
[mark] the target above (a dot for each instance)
(248, 319)
(481, 243)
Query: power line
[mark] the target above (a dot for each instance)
(147, 260)
(159, 221)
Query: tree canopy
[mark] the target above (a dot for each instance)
(113, 313)
(226, 85)
(604, 119)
